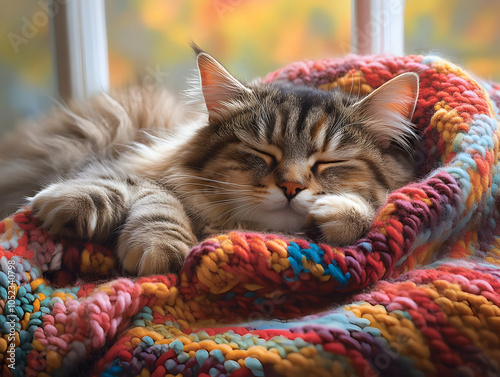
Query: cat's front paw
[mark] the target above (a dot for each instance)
(75, 210)
(142, 252)
(340, 219)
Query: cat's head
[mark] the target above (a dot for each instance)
(270, 151)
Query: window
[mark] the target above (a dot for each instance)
(148, 40)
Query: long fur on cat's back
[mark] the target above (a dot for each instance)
(40, 150)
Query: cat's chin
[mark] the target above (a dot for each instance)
(284, 220)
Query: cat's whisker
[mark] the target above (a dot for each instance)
(250, 213)
(202, 185)
(344, 126)
(216, 173)
(221, 203)
(181, 176)
(237, 194)
(208, 189)
(352, 83)
(224, 214)
(222, 210)
(247, 205)
(257, 207)
(213, 206)
(192, 181)
(359, 86)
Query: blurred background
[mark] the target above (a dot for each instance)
(148, 41)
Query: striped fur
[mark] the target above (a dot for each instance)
(269, 157)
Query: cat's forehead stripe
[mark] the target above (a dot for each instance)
(284, 115)
(306, 104)
(317, 127)
(330, 144)
(377, 173)
(270, 129)
(300, 120)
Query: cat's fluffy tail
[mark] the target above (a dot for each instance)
(38, 152)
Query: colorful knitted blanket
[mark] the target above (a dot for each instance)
(418, 296)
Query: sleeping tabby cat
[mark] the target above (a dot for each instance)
(272, 157)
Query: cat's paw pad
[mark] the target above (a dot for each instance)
(74, 211)
(152, 258)
(340, 219)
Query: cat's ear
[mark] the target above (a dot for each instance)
(219, 87)
(389, 109)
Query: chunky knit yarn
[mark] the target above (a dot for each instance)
(418, 296)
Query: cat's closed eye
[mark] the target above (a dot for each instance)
(268, 157)
(320, 166)
(269, 154)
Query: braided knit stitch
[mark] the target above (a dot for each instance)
(418, 296)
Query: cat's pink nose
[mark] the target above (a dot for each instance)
(291, 189)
